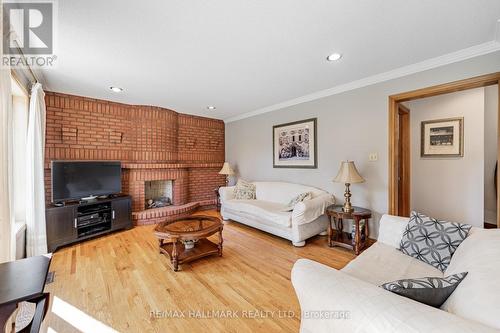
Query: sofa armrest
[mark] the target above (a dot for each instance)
(333, 301)
(391, 229)
(226, 193)
(309, 210)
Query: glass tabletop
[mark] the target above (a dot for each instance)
(188, 225)
(356, 210)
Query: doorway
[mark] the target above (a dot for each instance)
(404, 160)
(399, 165)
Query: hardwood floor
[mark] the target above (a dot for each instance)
(116, 282)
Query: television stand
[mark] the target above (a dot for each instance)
(78, 221)
(92, 219)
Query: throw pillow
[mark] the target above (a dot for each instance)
(432, 241)
(244, 190)
(433, 291)
(296, 199)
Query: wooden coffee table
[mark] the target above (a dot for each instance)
(185, 239)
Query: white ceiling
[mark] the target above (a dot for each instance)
(243, 56)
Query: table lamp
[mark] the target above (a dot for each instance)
(227, 171)
(348, 174)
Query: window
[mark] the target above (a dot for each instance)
(20, 107)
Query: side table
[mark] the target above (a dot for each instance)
(217, 198)
(24, 280)
(338, 237)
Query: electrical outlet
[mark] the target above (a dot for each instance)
(373, 157)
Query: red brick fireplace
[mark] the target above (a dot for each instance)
(193, 187)
(152, 143)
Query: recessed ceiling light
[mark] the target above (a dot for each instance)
(211, 107)
(116, 89)
(334, 57)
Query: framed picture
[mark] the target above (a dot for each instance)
(442, 138)
(294, 145)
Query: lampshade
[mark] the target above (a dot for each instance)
(226, 170)
(348, 173)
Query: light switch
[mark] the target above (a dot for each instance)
(373, 157)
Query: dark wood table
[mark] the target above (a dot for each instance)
(338, 237)
(23, 280)
(217, 198)
(175, 238)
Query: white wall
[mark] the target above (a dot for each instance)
(350, 126)
(450, 188)
(490, 152)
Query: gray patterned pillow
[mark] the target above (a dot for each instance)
(296, 199)
(432, 241)
(433, 291)
(244, 190)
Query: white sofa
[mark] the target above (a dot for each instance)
(266, 212)
(355, 294)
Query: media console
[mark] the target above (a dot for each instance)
(76, 221)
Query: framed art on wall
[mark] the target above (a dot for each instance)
(442, 138)
(294, 145)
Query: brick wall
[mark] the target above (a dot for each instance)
(85, 128)
(202, 185)
(80, 128)
(200, 139)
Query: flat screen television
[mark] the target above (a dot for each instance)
(73, 180)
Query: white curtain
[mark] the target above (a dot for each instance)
(36, 237)
(7, 252)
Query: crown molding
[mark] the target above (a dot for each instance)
(464, 54)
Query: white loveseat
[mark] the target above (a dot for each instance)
(353, 293)
(266, 213)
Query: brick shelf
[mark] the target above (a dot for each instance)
(169, 165)
(155, 215)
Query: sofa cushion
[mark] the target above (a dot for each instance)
(391, 229)
(264, 210)
(432, 291)
(477, 297)
(282, 192)
(431, 240)
(381, 263)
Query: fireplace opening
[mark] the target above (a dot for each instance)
(158, 193)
